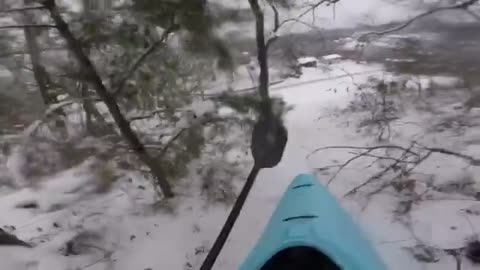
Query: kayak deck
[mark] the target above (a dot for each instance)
(309, 222)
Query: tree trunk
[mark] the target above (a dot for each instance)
(269, 136)
(262, 50)
(91, 110)
(97, 84)
(86, 108)
(39, 71)
(100, 126)
(40, 74)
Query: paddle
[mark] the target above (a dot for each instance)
(269, 138)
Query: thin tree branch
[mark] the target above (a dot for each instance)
(464, 6)
(390, 158)
(149, 115)
(278, 24)
(54, 108)
(381, 173)
(22, 9)
(307, 24)
(170, 142)
(364, 148)
(473, 14)
(312, 8)
(14, 53)
(341, 167)
(22, 52)
(139, 61)
(472, 160)
(385, 185)
(421, 153)
(21, 26)
(276, 18)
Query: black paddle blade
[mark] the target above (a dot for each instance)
(269, 138)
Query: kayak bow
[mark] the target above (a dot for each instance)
(310, 226)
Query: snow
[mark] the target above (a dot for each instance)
(331, 57)
(407, 60)
(306, 60)
(202, 107)
(352, 43)
(137, 236)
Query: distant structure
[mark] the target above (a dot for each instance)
(307, 62)
(313, 62)
(331, 59)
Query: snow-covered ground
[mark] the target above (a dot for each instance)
(126, 232)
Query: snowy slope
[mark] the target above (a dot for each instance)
(135, 236)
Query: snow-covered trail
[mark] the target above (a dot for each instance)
(171, 242)
(309, 128)
(137, 239)
(312, 124)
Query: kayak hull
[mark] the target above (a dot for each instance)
(308, 215)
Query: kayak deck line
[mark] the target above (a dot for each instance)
(300, 217)
(302, 185)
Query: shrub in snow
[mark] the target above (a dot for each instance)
(473, 251)
(37, 158)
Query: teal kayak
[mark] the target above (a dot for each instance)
(310, 230)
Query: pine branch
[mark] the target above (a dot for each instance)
(93, 77)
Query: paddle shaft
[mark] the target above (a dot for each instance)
(266, 152)
(232, 217)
